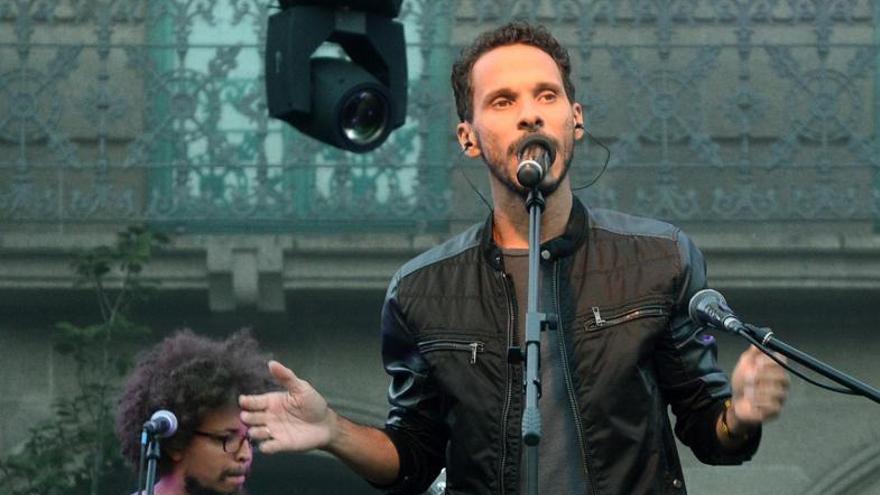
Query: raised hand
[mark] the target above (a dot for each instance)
(296, 420)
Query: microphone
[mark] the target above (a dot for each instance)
(536, 154)
(708, 307)
(162, 424)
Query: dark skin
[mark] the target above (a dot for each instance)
(203, 467)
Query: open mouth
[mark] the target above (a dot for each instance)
(535, 147)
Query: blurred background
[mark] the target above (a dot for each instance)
(138, 164)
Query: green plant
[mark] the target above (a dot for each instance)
(76, 452)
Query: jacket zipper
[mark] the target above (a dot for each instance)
(511, 316)
(641, 312)
(453, 345)
(579, 428)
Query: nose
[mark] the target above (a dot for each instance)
(530, 119)
(245, 451)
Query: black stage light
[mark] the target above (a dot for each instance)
(353, 105)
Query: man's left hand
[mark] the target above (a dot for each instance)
(760, 387)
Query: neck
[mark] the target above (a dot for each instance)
(170, 485)
(511, 218)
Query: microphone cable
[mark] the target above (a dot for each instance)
(795, 372)
(460, 168)
(604, 166)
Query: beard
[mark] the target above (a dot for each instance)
(195, 487)
(497, 164)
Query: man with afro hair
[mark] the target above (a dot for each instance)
(199, 380)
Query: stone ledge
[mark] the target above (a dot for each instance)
(253, 269)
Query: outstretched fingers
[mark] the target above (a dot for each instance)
(254, 419)
(271, 446)
(287, 378)
(253, 403)
(260, 433)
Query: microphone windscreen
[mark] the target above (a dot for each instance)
(700, 301)
(539, 148)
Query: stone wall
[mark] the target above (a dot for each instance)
(821, 444)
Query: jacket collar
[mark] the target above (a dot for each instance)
(575, 234)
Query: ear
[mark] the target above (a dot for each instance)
(467, 138)
(578, 112)
(175, 455)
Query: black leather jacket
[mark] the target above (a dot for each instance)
(620, 287)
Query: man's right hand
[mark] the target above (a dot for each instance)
(299, 419)
(296, 420)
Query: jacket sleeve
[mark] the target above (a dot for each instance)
(415, 421)
(689, 375)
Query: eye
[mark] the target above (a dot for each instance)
(501, 102)
(548, 96)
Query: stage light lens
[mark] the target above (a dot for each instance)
(364, 116)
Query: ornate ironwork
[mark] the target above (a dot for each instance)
(753, 110)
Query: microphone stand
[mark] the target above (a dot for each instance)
(535, 323)
(764, 337)
(153, 453)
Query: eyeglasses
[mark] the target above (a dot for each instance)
(231, 442)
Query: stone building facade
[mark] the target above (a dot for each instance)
(751, 124)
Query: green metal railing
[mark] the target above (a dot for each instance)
(741, 110)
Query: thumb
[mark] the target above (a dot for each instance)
(285, 377)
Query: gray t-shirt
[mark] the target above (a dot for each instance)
(559, 455)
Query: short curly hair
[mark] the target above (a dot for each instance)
(189, 375)
(512, 33)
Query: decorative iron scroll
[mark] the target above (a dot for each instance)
(121, 112)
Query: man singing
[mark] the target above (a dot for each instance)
(623, 349)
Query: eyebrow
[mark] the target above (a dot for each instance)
(498, 92)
